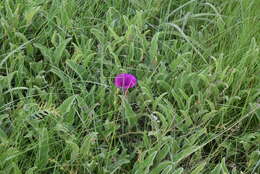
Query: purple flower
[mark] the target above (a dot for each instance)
(125, 81)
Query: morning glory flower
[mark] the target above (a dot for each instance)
(125, 81)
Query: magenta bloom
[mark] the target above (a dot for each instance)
(125, 81)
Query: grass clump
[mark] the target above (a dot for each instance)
(196, 108)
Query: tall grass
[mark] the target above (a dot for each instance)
(196, 108)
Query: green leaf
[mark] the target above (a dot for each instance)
(117, 165)
(167, 170)
(30, 13)
(60, 49)
(197, 135)
(75, 150)
(129, 113)
(88, 142)
(254, 160)
(66, 81)
(5, 81)
(161, 166)
(65, 107)
(3, 137)
(99, 35)
(113, 34)
(8, 155)
(216, 170)
(143, 166)
(46, 52)
(115, 56)
(43, 150)
(163, 153)
(224, 167)
(78, 69)
(67, 111)
(184, 153)
(15, 169)
(148, 162)
(154, 47)
(139, 19)
(178, 171)
(199, 168)
(158, 100)
(31, 170)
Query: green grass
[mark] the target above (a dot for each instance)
(196, 108)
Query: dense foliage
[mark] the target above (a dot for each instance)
(196, 108)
